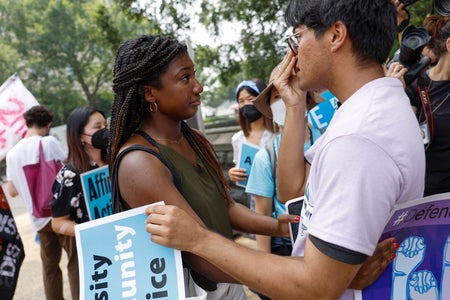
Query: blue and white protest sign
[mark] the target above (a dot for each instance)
(247, 154)
(117, 260)
(97, 192)
(421, 268)
(320, 115)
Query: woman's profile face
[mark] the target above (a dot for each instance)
(179, 97)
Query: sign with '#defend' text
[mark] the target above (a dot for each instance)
(421, 268)
(117, 260)
(97, 192)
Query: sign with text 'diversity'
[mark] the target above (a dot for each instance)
(117, 260)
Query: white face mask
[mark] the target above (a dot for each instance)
(278, 112)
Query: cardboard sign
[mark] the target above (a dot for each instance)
(97, 192)
(247, 154)
(320, 116)
(117, 260)
(421, 269)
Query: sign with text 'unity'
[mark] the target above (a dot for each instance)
(118, 260)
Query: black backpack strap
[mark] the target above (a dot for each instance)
(117, 200)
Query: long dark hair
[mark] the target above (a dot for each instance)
(140, 62)
(76, 121)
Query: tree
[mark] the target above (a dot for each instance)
(64, 50)
(259, 49)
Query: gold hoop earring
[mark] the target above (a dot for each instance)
(155, 108)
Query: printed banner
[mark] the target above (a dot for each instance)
(320, 115)
(15, 99)
(247, 153)
(421, 269)
(117, 260)
(97, 192)
(12, 252)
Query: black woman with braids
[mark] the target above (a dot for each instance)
(155, 90)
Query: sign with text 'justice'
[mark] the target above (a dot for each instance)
(117, 260)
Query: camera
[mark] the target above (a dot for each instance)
(410, 52)
(442, 7)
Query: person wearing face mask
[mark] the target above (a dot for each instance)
(256, 129)
(87, 141)
(262, 180)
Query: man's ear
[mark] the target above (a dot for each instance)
(149, 93)
(339, 35)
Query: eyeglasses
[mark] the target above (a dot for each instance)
(293, 41)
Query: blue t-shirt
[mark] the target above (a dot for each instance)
(261, 181)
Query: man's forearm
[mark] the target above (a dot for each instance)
(291, 165)
(279, 277)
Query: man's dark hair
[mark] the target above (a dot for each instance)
(371, 24)
(38, 116)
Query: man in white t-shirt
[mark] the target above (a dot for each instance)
(38, 120)
(370, 158)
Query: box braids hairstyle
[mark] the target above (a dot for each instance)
(141, 62)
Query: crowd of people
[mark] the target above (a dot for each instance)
(373, 156)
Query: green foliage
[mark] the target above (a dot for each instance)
(64, 50)
(261, 45)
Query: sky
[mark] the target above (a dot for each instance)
(229, 31)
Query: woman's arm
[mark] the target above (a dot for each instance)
(263, 206)
(11, 188)
(63, 225)
(144, 179)
(246, 220)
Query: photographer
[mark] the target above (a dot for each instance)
(429, 95)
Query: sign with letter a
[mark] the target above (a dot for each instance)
(248, 152)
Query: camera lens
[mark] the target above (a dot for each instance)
(413, 42)
(442, 7)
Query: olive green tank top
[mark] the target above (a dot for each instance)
(200, 191)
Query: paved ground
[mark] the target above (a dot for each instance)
(29, 286)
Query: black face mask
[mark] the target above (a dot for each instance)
(100, 139)
(250, 113)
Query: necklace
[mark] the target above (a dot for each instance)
(176, 142)
(442, 102)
